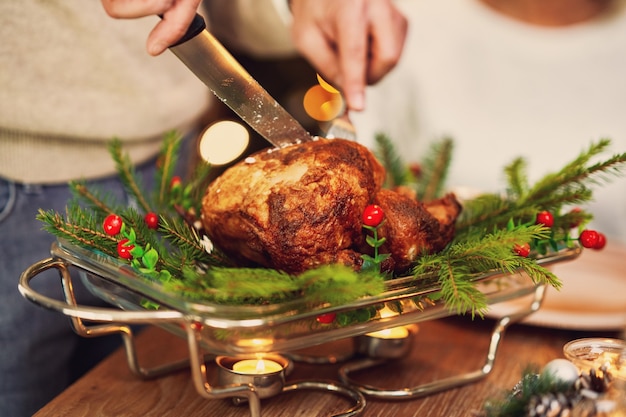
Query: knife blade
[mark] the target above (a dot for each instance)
(211, 62)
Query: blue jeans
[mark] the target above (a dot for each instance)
(39, 353)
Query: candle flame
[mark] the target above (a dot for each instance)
(386, 312)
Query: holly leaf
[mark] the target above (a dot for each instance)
(137, 252)
(375, 243)
(150, 258)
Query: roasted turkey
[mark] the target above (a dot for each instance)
(301, 206)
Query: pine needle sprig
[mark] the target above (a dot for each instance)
(398, 172)
(180, 235)
(145, 237)
(459, 293)
(101, 204)
(458, 265)
(569, 186)
(434, 170)
(179, 256)
(336, 284)
(577, 175)
(165, 170)
(198, 182)
(235, 285)
(128, 175)
(82, 233)
(488, 211)
(515, 174)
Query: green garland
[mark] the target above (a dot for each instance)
(181, 257)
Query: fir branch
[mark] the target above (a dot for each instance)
(570, 185)
(435, 167)
(489, 211)
(144, 235)
(79, 234)
(462, 262)
(576, 174)
(165, 169)
(188, 246)
(337, 284)
(397, 171)
(539, 274)
(180, 235)
(517, 178)
(459, 293)
(92, 200)
(198, 182)
(188, 266)
(236, 285)
(127, 174)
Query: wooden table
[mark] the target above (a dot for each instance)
(442, 348)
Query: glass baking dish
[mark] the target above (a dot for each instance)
(286, 326)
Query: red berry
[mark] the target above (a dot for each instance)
(112, 224)
(589, 238)
(522, 250)
(176, 182)
(123, 249)
(373, 215)
(152, 220)
(546, 218)
(601, 243)
(326, 318)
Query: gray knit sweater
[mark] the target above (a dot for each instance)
(72, 78)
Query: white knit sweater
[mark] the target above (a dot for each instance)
(501, 89)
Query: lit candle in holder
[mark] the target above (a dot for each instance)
(256, 366)
(599, 354)
(266, 373)
(391, 343)
(385, 344)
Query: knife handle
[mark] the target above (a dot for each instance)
(196, 26)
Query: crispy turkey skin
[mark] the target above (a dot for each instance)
(299, 207)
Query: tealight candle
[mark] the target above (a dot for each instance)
(266, 372)
(597, 353)
(385, 344)
(256, 366)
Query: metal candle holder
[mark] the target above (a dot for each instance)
(266, 384)
(103, 277)
(381, 346)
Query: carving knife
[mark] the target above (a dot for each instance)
(209, 60)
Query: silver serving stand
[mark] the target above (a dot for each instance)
(89, 321)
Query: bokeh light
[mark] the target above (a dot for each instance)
(323, 105)
(223, 142)
(326, 86)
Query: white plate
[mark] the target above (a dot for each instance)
(593, 295)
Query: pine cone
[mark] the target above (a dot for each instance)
(550, 405)
(594, 380)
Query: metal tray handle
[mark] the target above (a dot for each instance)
(197, 358)
(79, 313)
(446, 383)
